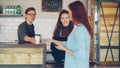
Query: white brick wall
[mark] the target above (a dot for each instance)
(44, 23)
(8, 28)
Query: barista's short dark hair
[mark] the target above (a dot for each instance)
(29, 9)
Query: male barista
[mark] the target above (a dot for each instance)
(25, 30)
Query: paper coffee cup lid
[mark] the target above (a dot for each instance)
(37, 34)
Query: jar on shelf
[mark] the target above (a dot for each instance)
(18, 9)
(1, 9)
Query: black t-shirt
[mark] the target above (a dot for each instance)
(25, 29)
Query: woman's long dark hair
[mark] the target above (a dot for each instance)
(59, 25)
(79, 15)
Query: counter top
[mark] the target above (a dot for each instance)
(14, 45)
(18, 55)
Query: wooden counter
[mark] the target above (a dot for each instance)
(13, 55)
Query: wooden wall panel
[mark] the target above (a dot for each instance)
(109, 5)
(109, 11)
(109, 58)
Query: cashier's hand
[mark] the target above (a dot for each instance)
(32, 40)
(29, 39)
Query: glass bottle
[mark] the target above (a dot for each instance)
(18, 11)
(0, 9)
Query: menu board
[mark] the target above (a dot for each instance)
(51, 5)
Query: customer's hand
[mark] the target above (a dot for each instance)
(43, 41)
(48, 40)
(60, 47)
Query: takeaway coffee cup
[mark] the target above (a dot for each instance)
(37, 38)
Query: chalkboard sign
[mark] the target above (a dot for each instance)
(51, 5)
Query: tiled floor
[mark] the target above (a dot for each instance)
(101, 64)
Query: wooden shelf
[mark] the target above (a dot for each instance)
(11, 15)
